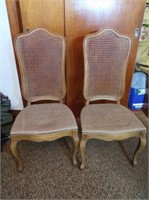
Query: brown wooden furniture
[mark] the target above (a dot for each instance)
(106, 55)
(41, 57)
(74, 19)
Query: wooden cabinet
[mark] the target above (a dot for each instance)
(43, 13)
(74, 19)
(30, 14)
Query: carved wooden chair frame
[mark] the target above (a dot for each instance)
(107, 137)
(41, 137)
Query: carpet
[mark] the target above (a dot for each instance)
(49, 173)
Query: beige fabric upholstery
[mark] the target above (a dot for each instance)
(109, 118)
(44, 119)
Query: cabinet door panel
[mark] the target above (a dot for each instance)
(48, 14)
(86, 16)
(30, 14)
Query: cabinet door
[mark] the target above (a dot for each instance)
(30, 14)
(48, 14)
(74, 19)
(86, 16)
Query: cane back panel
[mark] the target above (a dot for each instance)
(105, 55)
(41, 57)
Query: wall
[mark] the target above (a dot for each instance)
(9, 84)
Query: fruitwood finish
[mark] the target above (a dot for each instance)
(41, 57)
(106, 55)
(41, 138)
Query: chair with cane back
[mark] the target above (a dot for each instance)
(106, 54)
(41, 57)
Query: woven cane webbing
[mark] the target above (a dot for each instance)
(41, 58)
(105, 55)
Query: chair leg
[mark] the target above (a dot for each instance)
(141, 145)
(76, 142)
(82, 150)
(13, 147)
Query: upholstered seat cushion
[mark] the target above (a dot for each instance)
(43, 119)
(109, 118)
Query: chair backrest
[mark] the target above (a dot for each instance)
(106, 55)
(41, 57)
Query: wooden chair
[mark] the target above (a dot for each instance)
(41, 57)
(106, 55)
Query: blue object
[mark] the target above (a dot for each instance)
(139, 80)
(138, 91)
(136, 98)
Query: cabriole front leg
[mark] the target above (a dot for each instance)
(82, 150)
(13, 147)
(76, 142)
(140, 147)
